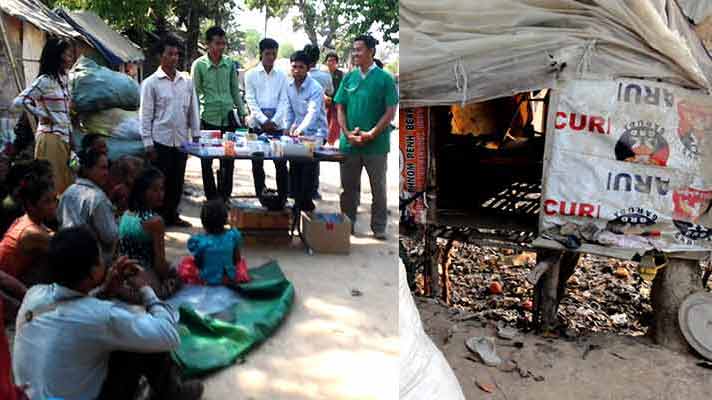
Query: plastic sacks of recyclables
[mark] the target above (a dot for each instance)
(112, 122)
(96, 88)
(424, 372)
(121, 129)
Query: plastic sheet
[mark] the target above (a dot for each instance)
(211, 342)
(424, 372)
(633, 157)
(467, 51)
(205, 300)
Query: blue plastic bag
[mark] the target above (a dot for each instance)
(96, 88)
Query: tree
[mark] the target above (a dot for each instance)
(286, 50)
(234, 37)
(383, 14)
(252, 43)
(121, 14)
(272, 8)
(330, 24)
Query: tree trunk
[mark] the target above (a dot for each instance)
(445, 262)
(266, 18)
(550, 288)
(671, 286)
(431, 272)
(549, 301)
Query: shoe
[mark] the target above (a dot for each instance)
(181, 223)
(380, 235)
(485, 348)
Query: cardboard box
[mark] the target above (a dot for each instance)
(245, 216)
(325, 235)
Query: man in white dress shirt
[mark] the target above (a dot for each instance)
(266, 95)
(169, 116)
(326, 82)
(72, 344)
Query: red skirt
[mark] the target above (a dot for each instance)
(189, 272)
(8, 390)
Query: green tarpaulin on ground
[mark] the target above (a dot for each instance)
(209, 343)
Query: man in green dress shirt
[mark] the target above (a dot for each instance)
(218, 89)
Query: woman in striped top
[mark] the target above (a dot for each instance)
(49, 100)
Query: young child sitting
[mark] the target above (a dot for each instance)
(216, 253)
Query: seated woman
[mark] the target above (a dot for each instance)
(11, 207)
(122, 175)
(142, 235)
(216, 252)
(23, 249)
(86, 203)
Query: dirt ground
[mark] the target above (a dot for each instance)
(333, 345)
(590, 368)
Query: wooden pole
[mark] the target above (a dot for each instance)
(13, 65)
(10, 55)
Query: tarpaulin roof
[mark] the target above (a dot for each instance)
(116, 48)
(37, 14)
(463, 51)
(696, 10)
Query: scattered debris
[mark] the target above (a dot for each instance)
(705, 364)
(616, 355)
(485, 349)
(593, 294)
(619, 319)
(356, 293)
(495, 288)
(450, 332)
(527, 305)
(505, 332)
(516, 345)
(486, 387)
(508, 366)
(622, 273)
(589, 349)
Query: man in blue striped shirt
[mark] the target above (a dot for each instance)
(306, 116)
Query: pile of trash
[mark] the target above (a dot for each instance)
(490, 284)
(107, 102)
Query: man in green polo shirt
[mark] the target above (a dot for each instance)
(218, 89)
(366, 103)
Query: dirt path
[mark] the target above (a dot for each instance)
(593, 368)
(333, 345)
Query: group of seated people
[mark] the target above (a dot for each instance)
(68, 267)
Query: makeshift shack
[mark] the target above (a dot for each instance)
(108, 47)
(507, 106)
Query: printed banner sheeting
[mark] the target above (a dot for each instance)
(414, 129)
(634, 158)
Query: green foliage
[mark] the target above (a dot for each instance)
(252, 43)
(286, 50)
(334, 23)
(365, 14)
(393, 67)
(275, 8)
(122, 14)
